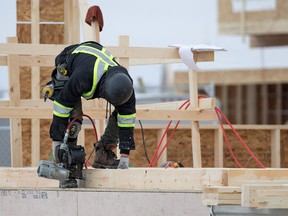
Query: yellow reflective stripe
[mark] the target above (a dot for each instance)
(106, 67)
(127, 116)
(104, 54)
(126, 120)
(89, 94)
(126, 125)
(61, 110)
(62, 106)
(61, 115)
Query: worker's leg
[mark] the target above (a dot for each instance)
(104, 156)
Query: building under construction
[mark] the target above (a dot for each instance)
(216, 145)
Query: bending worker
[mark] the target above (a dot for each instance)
(88, 70)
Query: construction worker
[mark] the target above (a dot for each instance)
(88, 70)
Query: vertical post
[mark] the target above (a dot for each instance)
(35, 84)
(275, 148)
(264, 103)
(71, 22)
(239, 102)
(15, 124)
(278, 111)
(193, 91)
(218, 147)
(251, 104)
(163, 157)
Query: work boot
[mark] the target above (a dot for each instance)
(68, 183)
(104, 156)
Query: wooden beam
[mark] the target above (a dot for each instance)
(133, 179)
(142, 114)
(35, 83)
(256, 22)
(236, 77)
(276, 148)
(205, 103)
(268, 40)
(251, 176)
(129, 52)
(218, 148)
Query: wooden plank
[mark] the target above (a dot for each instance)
(204, 104)
(239, 103)
(3, 61)
(218, 148)
(15, 124)
(265, 196)
(275, 148)
(146, 179)
(258, 22)
(35, 83)
(144, 114)
(155, 179)
(251, 176)
(268, 40)
(129, 52)
(193, 95)
(221, 196)
(236, 77)
(251, 117)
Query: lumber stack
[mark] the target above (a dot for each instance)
(254, 188)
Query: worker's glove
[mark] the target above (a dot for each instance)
(126, 139)
(123, 163)
(55, 150)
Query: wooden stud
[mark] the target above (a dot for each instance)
(15, 124)
(218, 148)
(195, 134)
(35, 83)
(276, 148)
(239, 102)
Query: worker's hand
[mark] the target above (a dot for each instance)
(123, 163)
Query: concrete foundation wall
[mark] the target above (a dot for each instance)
(83, 202)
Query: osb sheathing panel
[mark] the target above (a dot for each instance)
(50, 10)
(50, 33)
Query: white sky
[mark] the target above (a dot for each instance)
(160, 23)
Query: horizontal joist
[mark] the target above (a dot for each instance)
(236, 77)
(168, 53)
(134, 179)
(205, 103)
(142, 114)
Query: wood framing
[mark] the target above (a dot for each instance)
(258, 22)
(236, 77)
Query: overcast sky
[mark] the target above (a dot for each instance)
(161, 23)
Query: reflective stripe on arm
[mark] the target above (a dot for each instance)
(61, 110)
